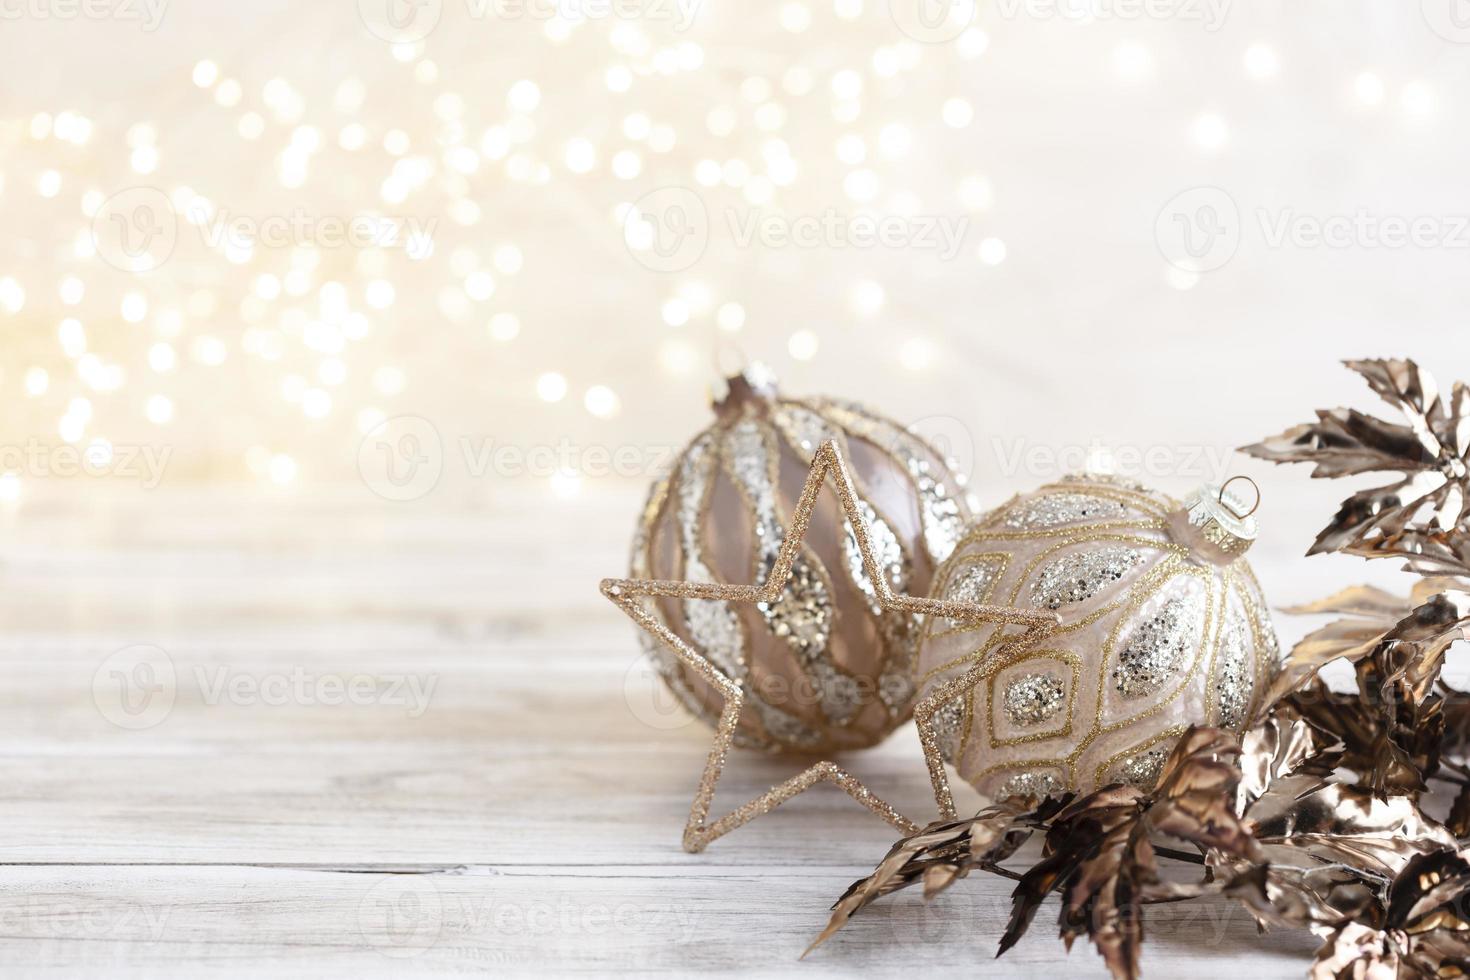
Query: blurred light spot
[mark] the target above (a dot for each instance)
(159, 410)
(675, 312)
(1210, 132)
(916, 354)
(504, 326)
(37, 381)
(551, 387)
(867, 298)
(803, 345)
(601, 401)
(678, 357)
(1261, 61)
(1133, 62)
(1369, 89)
(524, 96)
(730, 317)
(282, 469)
(957, 113)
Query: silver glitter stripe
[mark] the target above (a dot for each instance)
(896, 685)
(1080, 575)
(1038, 783)
(802, 616)
(943, 517)
(783, 727)
(1107, 480)
(1031, 699)
(1057, 509)
(1159, 646)
(974, 582)
(1233, 671)
(804, 429)
(886, 550)
(948, 720)
(712, 625)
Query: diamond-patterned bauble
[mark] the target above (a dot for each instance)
(824, 668)
(1163, 626)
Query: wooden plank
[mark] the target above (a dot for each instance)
(535, 919)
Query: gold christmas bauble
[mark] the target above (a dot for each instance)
(1163, 625)
(823, 668)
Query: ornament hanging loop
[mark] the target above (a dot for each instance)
(1227, 504)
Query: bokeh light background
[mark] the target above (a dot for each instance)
(518, 161)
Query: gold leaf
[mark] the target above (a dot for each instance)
(940, 853)
(1421, 517)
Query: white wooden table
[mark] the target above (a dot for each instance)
(526, 821)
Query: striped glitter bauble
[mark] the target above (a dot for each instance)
(1163, 626)
(823, 668)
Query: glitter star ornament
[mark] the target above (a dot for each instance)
(1163, 625)
(815, 648)
(823, 667)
